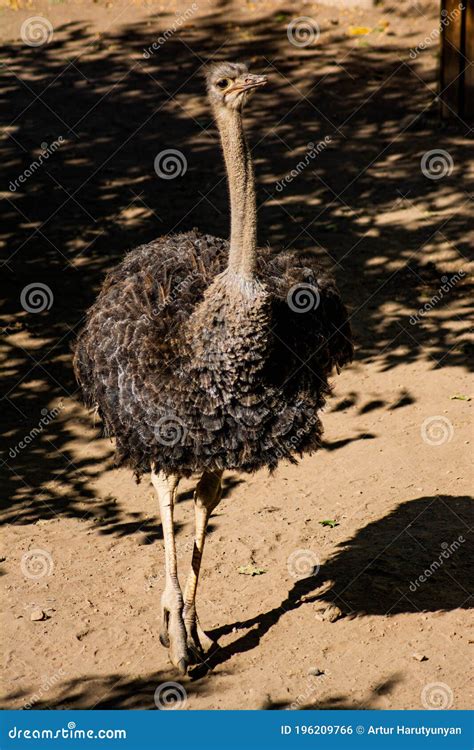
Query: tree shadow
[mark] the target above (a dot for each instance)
(404, 398)
(338, 702)
(112, 691)
(416, 559)
(116, 691)
(335, 444)
(98, 195)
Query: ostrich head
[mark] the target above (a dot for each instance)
(229, 85)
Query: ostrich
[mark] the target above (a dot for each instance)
(203, 355)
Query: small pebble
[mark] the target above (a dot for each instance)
(315, 672)
(330, 614)
(37, 615)
(419, 657)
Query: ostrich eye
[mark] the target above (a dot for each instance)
(223, 83)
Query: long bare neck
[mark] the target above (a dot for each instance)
(243, 225)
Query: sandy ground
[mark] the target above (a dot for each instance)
(371, 611)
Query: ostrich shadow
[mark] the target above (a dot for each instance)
(393, 565)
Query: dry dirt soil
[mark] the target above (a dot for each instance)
(371, 611)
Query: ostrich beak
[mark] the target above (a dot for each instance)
(248, 82)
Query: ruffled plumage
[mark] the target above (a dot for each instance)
(190, 374)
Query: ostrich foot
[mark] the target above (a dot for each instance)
(197, 640)
(173, 632)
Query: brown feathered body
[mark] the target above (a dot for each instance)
(191, 369)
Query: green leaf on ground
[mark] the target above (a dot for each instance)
(329, 522)
(460, 397)
(251, 570)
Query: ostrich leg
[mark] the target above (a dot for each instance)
(173, 633)
(206, 497)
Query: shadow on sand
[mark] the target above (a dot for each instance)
(98, 195)
(380, 571)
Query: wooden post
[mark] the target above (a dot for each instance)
(469, 71)
(457, 54)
